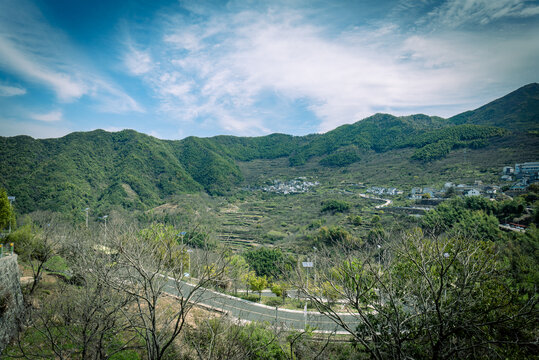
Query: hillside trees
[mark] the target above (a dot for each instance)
(7, 216)
(258, 283)
(82, 319)
(122, 291)
(437, 144)
(424, 297)
(342, 157)
(223, 339)
(237, 270)
(149, 265)
(197, 238)
(334, 235)
(268, 262)
(335, 206)
(37, 242)
(472, 217)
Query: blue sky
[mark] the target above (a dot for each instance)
(173, 69)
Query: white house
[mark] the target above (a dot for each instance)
(472, 192)
(508, 170)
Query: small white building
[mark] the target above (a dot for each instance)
(508, 170)
(472, 192)
(416, 193)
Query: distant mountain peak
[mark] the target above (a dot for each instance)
(516, 111)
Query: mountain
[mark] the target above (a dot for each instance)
(136, 171)
(517, 111)
(384, 132)
(126, 168)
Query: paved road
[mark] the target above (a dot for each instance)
(510, 227)
(386, 203)
(246, 310)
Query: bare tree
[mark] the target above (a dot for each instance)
(82, 316)
(222, 338)
(150, 267)
(425, 297)
(40, 243)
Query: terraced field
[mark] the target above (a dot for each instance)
(252, 218)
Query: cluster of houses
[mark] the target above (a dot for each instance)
(524, 174)
(377, 190)
(477, 189)
(295, 186)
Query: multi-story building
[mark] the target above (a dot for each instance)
(527, 169)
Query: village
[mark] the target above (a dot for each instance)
(295, 186)
(520, 177)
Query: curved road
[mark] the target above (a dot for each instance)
(249, 311)
(387, 201)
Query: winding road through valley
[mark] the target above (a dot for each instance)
(244, 310)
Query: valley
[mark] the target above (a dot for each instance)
(344, 228)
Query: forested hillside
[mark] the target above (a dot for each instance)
(517, 111)
(128, 169)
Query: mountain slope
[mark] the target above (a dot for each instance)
(132, 170)
(83, 169)
(517, 111)
(434, 137)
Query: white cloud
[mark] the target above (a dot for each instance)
(454, 13)
(113, 100)
(138, 62)
(7, 90)
(41, 54)
(112, 128)
(218, 71)
(52, 116)
(21, 63)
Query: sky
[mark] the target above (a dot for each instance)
(173, 69)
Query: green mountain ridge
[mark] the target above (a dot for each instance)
(516, 111)
(132, 170)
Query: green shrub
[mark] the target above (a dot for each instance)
(274, 301)
(56, 264)
(333, 235)
(335, 206)
(355, 220)
(342, 157)
(250, 297)
(274, 235)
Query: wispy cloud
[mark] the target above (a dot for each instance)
(138, 62)
(217, 71)
(52, 116)
(8, 90)
(38, 53)
(65, 86)
(454, 13)
(113, 128)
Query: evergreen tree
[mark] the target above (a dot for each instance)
(6, 212)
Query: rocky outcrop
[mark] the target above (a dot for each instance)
(11, 300)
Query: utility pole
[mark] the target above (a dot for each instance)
(314, 264)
